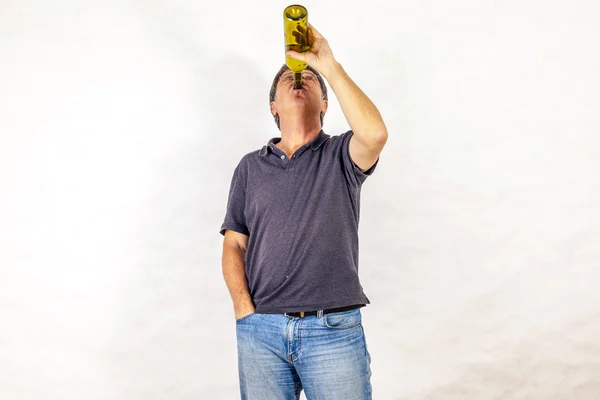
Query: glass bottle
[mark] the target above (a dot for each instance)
(295, 38)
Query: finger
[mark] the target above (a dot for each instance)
(295, 55)
(308, 32)
(300, 38)
(312, 36)
(314, 30)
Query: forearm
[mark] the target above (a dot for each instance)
(360, 112)
(234, 273)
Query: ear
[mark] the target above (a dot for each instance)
(324, 106)
(273, 108)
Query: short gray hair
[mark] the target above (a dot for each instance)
(276, 81)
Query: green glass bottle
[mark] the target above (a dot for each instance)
(296, 39)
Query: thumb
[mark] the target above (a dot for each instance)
(296, 55)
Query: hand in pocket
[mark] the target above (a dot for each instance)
(243, 314)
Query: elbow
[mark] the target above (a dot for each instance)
(382, 137)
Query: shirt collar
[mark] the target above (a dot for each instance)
(314, 145)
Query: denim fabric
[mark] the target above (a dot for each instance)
(325, 355)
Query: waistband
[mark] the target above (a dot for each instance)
(327, 311)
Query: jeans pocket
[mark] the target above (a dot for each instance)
(343, 320)
(245, 317)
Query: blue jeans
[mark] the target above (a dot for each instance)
(324, 354)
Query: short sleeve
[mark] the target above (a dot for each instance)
(355, 176)
(235, 219)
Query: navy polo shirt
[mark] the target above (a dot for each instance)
(301, 217)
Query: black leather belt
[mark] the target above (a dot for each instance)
(330, 310)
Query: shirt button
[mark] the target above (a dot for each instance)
(282, 157)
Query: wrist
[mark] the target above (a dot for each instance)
(332, 71)
(242, 306)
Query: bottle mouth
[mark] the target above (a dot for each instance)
(295, 12)
(297, 80)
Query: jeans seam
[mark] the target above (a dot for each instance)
(298, 389)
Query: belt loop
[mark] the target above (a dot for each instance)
(320, 314)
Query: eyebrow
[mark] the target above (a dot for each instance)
(286, 74)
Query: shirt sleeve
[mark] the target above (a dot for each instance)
(354, 175)
(235, 219)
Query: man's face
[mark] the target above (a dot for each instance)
(309, 96)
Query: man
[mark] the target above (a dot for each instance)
(290, 252)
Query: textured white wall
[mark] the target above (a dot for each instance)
(121, 123)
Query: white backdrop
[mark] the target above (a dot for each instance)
(121, 123)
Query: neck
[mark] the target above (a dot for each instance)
(295, 134)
